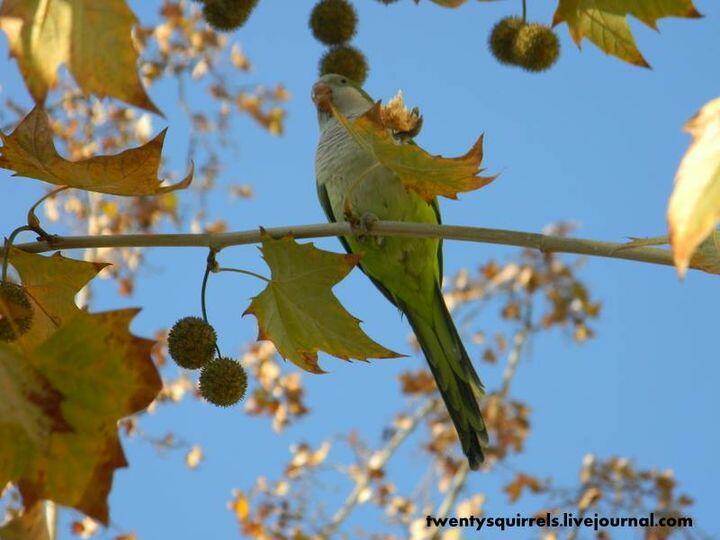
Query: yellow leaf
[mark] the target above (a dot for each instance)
(424, 173)
(194, 457)
(93, 39)
(298, 312)
(694, 206)
(29, 151)
(33, 524)
(589, 497)
(241, 506)
(65, 385)
(604, 22)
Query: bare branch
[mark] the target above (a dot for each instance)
(546, 243)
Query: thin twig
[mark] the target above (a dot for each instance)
(545, 243)
(379, 459)
(519, 341)
(458, 482)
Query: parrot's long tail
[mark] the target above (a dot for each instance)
(454, 374)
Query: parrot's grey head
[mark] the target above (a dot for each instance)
(346, 95)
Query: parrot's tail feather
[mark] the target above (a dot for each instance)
(456, 378)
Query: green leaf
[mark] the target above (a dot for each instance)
(93, 39)
(427, 175)
(604, 22)
(30, 151)
(298, 312)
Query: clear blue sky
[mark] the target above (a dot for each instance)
(593, 140)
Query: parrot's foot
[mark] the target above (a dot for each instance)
(361, 226)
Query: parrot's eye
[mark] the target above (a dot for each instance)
(343, 81)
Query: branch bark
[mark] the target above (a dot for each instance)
(219, 241)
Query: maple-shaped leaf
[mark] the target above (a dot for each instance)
(418, 170)
(694, 206)
(604, 22)
(30, 151)
(93, 39)
(51, 283)
(298, 312)
(69, 380)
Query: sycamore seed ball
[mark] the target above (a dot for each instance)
(225, 15)
(537, 47)
(16, 311)
(333, 22)
(503, 37)
(345, 60)
(191, 342)
(223, 382)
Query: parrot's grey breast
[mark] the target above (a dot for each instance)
(338, 153)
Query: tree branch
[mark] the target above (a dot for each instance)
(219, 241)
(377, 461)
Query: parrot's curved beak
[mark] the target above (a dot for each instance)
(322, 96)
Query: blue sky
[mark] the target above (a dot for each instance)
(593, 140)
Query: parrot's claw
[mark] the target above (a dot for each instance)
(361, 226)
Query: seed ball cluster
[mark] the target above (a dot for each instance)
(333, 22)
(537, 47)
(16, 311)
(502, 39)
(345, 60)
(531, 46)
(226, 15)
(191, 342)
(223, 382)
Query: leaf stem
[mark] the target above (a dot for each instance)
(33, 220)
(6, 250)
(209, 267)
(241, 271)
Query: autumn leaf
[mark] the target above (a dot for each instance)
(32, 524)
(521, 482)
(298, 312)
(604, 22)
(424, 173)
(449, 3)
(65, 385)
(51, 283)
(694, 206)
(93, 39)
(30, 151)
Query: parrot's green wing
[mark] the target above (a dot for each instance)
(327, 208)
(325, 203)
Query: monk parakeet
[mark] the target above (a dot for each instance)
(408, 271)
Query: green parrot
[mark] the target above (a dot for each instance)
(408, 271)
